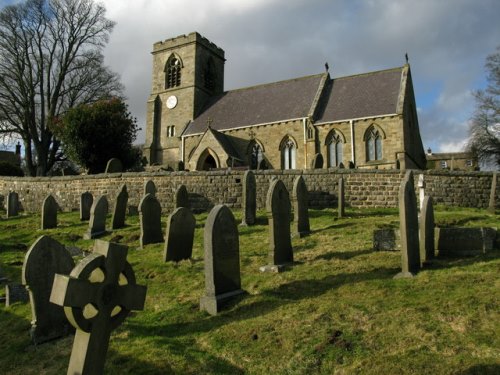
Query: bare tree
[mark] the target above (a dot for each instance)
(50, 60)
(484, 141)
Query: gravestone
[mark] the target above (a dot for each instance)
(150, 218)
(44, 259)
(278, 214)
(120, 209)
(180, 235)
(97, 223)
(493, 193)
(97, 296)
(15, 293)
(408, 226)
(341, 200)
(464, 241)
(150, 188)
(317, 161)
(426, 231)
(114, 165)
(249, 198)
(222, 260)
(86, 201)
(12, 204)
(49, 212)
(421, 190)
(182, 197)
(300, 200)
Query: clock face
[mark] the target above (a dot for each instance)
(171, 101)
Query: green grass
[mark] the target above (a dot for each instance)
(336, 311)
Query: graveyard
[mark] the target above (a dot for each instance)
(337, 309)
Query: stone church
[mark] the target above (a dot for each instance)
(362, 121)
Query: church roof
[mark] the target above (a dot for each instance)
(225, 143)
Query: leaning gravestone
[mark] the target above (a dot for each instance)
(180, 235)
(222, 260)
(493, 193)
(249, 198)
(120, 209)
(97, 223)
(12, 204)
(113, 293)
(341, 202)
(49, 212)
(278, 213)
(150, 188)
(114, 165)
(181, 197)
(408, 226)
(86, 201)
(44, 259)
(150, 218)
(426, 228)
(300, 210)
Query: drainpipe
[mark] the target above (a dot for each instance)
(353, 152)
(304, 123)
(182, 149)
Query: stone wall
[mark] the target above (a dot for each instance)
(364, 188)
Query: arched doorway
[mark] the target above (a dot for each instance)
(208, 159)
(208, 163)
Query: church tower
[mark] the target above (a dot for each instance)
(187, 71)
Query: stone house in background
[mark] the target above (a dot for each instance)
(363, 121)
(463, 161)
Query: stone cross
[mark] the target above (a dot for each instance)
(105, 281)
(426, 229)
(182, 197)
(150, 219)
(12, 204)
(179, 235)
(97, 223)
(149, 188)
(278, 214)
(49, 212)
(86, 201)
(222, 260)
(120, 208)
(249, 198)
(341, 198)
(408, 226)
(300, 200)
(44, 259)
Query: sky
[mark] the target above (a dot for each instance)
(447, 42)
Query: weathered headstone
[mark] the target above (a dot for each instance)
(493, 193)
(464, 241)
(278, 213)
(150, 218)
(97, 223)
(408, 226)
(97, 296)
(317, 161)
(49, 212)
(120, 208)
(182, 197)
(114, 165)
(86, 201)
(44, 259)
(421, 190)
(12, 204)
(341, 198)
(222, 260)
(180, 235)
(426, 231)
(300, 201)
(249, 198)
(15, 293)
(150, 188)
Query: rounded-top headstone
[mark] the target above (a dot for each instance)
(182, 197)
(149, 188)
(114, 165)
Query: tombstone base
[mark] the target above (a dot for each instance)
(273, 268)
(213, 305)
(404, 275)
(39, 337)
(91, 236)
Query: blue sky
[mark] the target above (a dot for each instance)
(269, 40)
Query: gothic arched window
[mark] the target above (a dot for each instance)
(288, 153)
(373, 140)
(173, 72)
(335, 144)
(256, 155)
(209, 75)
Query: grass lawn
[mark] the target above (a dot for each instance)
(336, 311)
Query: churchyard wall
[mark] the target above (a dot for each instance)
(363, 188)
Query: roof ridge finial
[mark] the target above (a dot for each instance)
(406, 57)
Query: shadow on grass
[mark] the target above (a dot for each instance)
(344, 255)
(486, 369)
(443, 262)
(332, 226)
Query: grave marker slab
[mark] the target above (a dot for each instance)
(44, 259)
(300, 208)
(150, 188)
(49, 212)
(97, 223)
(341, 202)
(421, 190)
(106, 280)
(150, 218)
(12, 204)
(408, 226)
(278, 214)
(249, 198)
(222, 260)
(86, 201)
(15, 293)
(180, 235)
(182, 197)
(114, 165)
(120, 208)
(426, 231)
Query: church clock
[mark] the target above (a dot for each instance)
(171, 101)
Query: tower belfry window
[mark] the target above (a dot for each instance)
(173, 73)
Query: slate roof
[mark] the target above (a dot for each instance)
(225, 143)
(363, 95)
